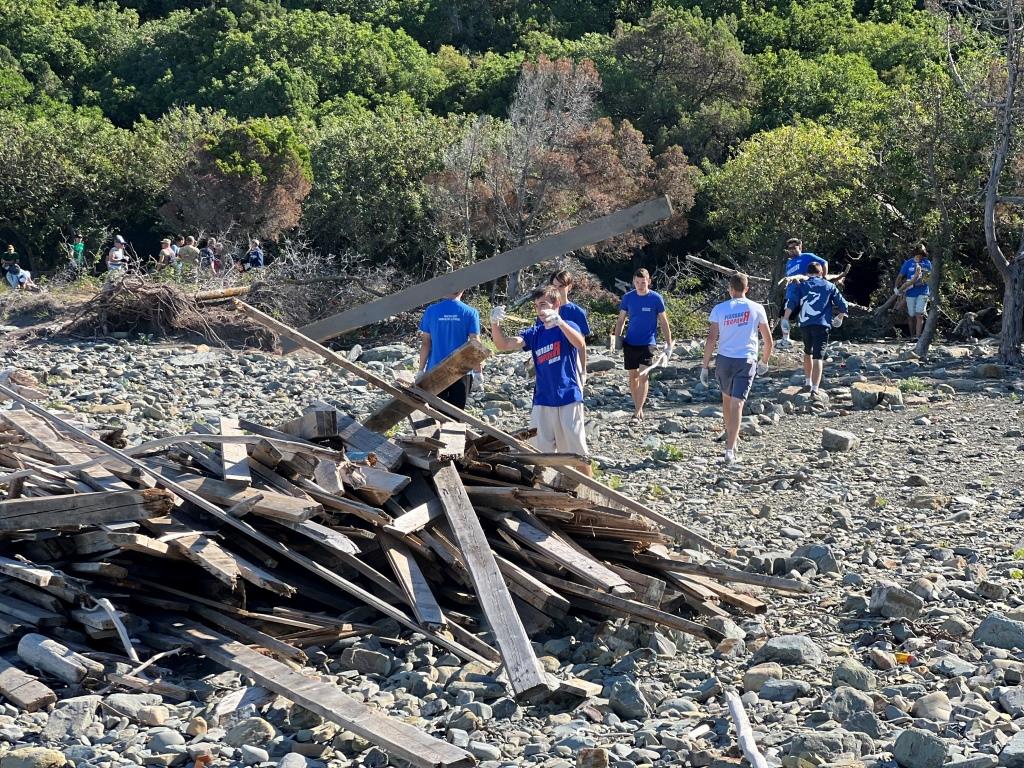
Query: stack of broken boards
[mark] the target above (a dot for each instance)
(285, 538)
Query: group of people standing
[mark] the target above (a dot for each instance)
(739, 345)
(180, 254)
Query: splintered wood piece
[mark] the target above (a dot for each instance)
(453, 435)
(28, 613)
(460, 362)
(649, 589)
(413, 583)
(23, 690)
(327, 537)
(57, 660)
(550, 545)
(234, 456)
(373, 484)
(83, 509)
(525, 673)
(327, 700)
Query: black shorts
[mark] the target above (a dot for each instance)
(815, 339)
(637, 356)
(457, 393)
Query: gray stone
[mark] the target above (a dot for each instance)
(1012, 755)
(627, 701)
(864, 722)
(388, 353)
(933, 706)
(293, 760)
(894, 602)
(866, 395)
(854, 674)
(846, 701)
(70, 719)
(838, 441)
(1000, 631)
(484, 751)
(366, 662)
(974, 761)
(163, 739)
(783, 691)
(790, 650)
(251, 755)
(598, 364)
(1012, 701)
(954, 666)
(33, 757)
(253, 730)
(915, 748)
(822, 556)
(815, 746)
(131, 704)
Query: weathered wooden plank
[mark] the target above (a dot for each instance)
(585, 567)
(57, 660)
(234, 457)
(276, 506)
(83, 509)
(525, 673)
(399, 739)
(531, 590)
(613, 605)
(23, 690)
(372, 483)
(413, 582)
(250, 634)
(29, 613)
(648, 589)
(437, 379)
(480, 272)
(424, 506)
(327, 537)
(453, 435)
(357, 437)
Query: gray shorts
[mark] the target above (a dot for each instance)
(735, 375)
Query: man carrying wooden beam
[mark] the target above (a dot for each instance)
(555, 344)
(446, 326)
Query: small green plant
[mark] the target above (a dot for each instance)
(1018, 554)
(913, 385)
(656, 491)
(1017, 574)
(668, 452)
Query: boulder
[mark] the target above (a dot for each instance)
(915, 748)
(866, 395)
(999, 631)
(838, 441)
(790, 650)
(894, 602)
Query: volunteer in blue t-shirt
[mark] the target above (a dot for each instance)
(816, 297)
(555, 345)
(796, 267)
(562, 282)
(912, 282)
(445, 327)
(735, 325)
(645, 311)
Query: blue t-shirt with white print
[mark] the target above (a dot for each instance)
(557, 364)
(798, 264)
(643, 314)
(816, 298)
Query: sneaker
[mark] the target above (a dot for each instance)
(731, 457)
(784, 343)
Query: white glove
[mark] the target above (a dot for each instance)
(497, 314)
(704, 376)
(784, 325)
(762, 369)
(837, 321)
(667, 348)
(551, 318)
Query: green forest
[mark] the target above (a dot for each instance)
(426, 133)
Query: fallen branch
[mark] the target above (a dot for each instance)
(723, 270)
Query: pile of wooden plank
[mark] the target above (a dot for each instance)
(241, 535)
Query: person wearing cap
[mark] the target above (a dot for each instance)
(188, 254)
(167, 257)
(254, 257)
(117, 259)
(17, 278)
(796, 266)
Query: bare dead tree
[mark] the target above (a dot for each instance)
(1000, 90)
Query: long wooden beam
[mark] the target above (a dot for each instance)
(36, 514)
(506, 263)
(396, 737)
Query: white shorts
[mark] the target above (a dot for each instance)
(559, 429)
(917, 305)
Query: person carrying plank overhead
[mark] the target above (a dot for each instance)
(645, 310)
(735, 325)
(555, 345)
(445, 327)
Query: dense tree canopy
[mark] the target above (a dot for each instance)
(391, 128)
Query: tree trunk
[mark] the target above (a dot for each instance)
(1013, 314)
(513, 285)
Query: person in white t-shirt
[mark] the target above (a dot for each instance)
(735, 325)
